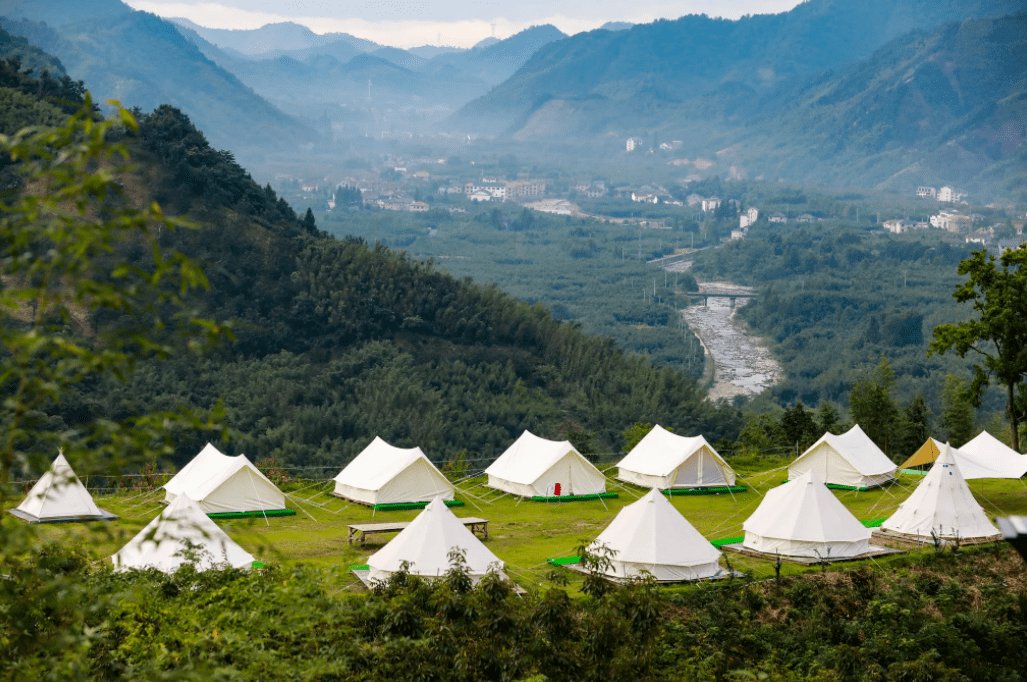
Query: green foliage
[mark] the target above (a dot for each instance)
(636, 433)
(957, 412)
(996, 290)
(64, 279)
(799, 426)
(873, 408)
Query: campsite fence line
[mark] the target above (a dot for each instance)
(110, 484)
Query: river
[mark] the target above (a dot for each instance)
(743, 363)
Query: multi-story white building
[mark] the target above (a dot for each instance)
(711, 204)
(748, 218)
(951, 221)
(926, 192)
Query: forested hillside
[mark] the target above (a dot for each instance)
(338, 341)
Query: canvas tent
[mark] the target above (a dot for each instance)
(219, 484)
(851, 460)
(972, 465)
(383, 474)
(534, 466)
(652, 535)
(181, 534)
(426, 544)
(59, 496)
(942, 505)
(802, 518)
(995, 454)
(665, 460)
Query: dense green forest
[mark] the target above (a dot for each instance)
(337, 341)
(581, 269)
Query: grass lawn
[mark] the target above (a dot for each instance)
(522, 533)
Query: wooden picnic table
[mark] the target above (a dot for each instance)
(476, 525)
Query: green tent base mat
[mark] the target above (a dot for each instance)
(564, 561)
(870, 523)
(913, 472)
(705, 491)
(365, 567)
(574, 498)
(253, 514)
(726, 541)
(400, 506)
(258, 564)
(835, 486)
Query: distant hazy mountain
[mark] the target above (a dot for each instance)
(946, 106)
(616, 26)
(497, 61)
(400, 58)
(335, 72)
(673, 61)
(142, 60)
(275, 38)
(429, 51)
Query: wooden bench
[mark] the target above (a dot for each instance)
(476, 525)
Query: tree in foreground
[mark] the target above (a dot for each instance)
(996, 289)
(79, 305)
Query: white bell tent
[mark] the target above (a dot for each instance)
(851, 460)
(534, 466)
(995, 454)
(59, 496)
(220, 484)
(384, 474)
(181, 534)
(975, 463)
(803, 518)
(942, 506)
(652, 535)
(665, 460)
(426, 544)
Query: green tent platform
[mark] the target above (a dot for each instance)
(400, 506)
(869, 523)
(564, 561)
(726, 541)
(835, 486)
(705, 491)
(253, 514)
(574, 498)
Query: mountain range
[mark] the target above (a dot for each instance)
(142, 60)
(295, 69)
(737, 92)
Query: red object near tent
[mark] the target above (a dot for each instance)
(556, 490)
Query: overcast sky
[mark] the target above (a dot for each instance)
(462, 23)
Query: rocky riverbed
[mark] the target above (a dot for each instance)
(743, 363)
